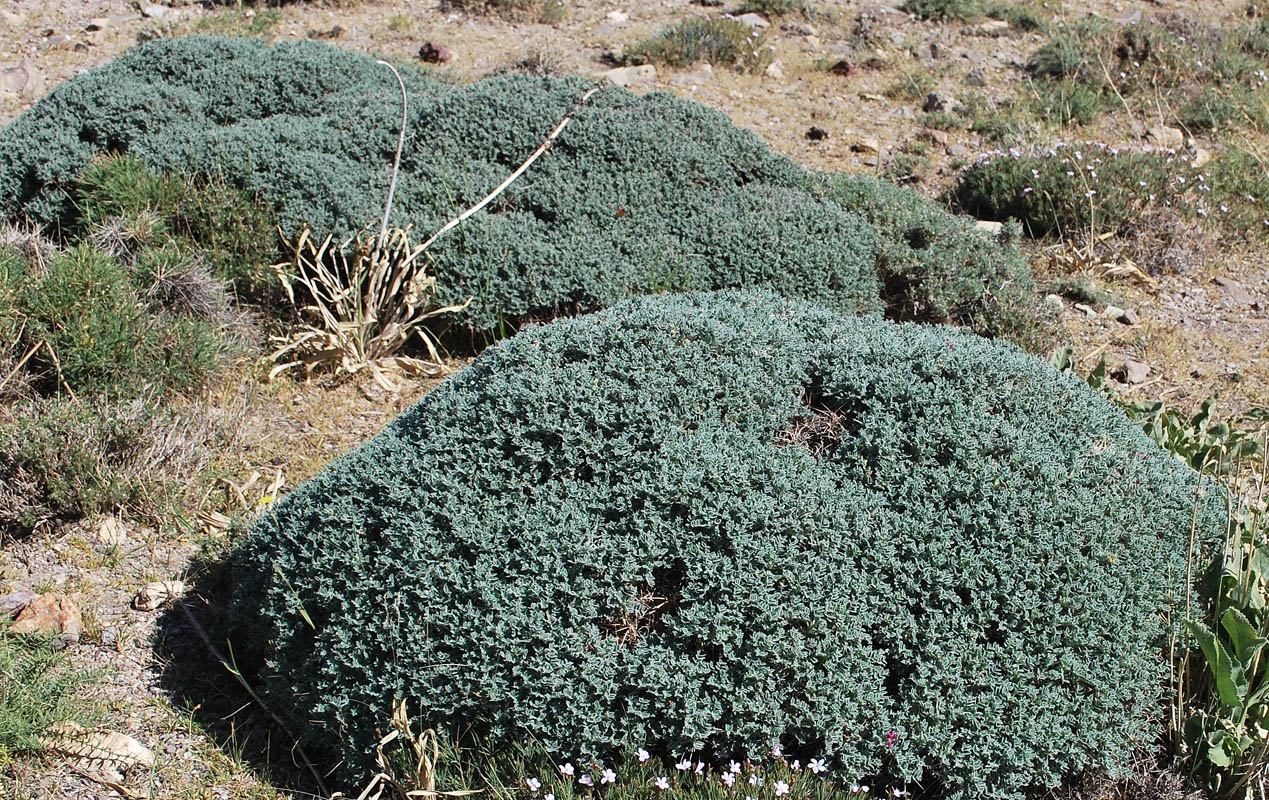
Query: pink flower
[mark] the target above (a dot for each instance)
(775, 751)
(586, 780)
(728, 779)
(817, 766)
(548, 796)
(566, 769)
(534, 784)
(781, 789)
(662, 783)
(644, 755)
(608, 776)
(684, 765)
(796, 765)
(734, 767)
(891, 738)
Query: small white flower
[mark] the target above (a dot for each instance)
(796, 765)
(734, 767)
(728, 779)
(586, 780)
(608, 776)
(754, 780)
(548, 796)
(662, 783)
(817, 766)
(534, 784)
(700, 768)
(683, 765)
(781, 789)
(1090, 193)
(776, 752)
(567, 769)
(644, 755)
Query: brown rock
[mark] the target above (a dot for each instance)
(935, 101)
(816, 134)
(50, 613)
(869, 144)
(433, 53)
(843, 68)
(1129, 317)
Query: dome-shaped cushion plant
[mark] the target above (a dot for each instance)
(719, 521)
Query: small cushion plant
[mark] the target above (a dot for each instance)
(638, 194)
(716, 522)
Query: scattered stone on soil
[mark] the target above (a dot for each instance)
(1201, 157)
(775, 70)
(334, 33)
(1234, 292)
(1054, 302)
(21, 79)
(626, 77)
(111, 532)
(976, 77)
(992, 27)
(753, 20)
(12, 603)
(1129, 317)
(433, 53)
(153, 595)
(989, 226)
(1131, 372)
(816, 134)
(935, 101)
(1112, 312)
(869, 144)
(50, 614)
(1166, 136)
(843, 68)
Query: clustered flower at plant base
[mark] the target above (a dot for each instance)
(644, 775)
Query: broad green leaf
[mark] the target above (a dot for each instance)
(1227, 673)
(1242, 635)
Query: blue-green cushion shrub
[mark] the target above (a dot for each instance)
(638, 194)
(714, 522)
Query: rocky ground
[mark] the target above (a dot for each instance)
(1181, 337)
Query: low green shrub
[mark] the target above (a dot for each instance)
(85, 318)
(717, 40)
(38, 690)
(62, 460)
(1072, 190)
(935, 266)
(638, 194)
(1025, 16)
(128, 207)
(544, 10)
(715, 523)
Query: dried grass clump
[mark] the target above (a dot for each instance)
(363, 304)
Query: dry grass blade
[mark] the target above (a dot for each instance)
(365, 300)
(425, 752)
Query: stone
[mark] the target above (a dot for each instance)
(957, 150)
(619, 17)
(1201, 157)
(976, 77)
(1054, 302)
(775, 70)
(753, 20)
(934, 101)
(336, 33)
(11, 18)
(433, 53)
(1112, 312)
(992, 27)
(868, 145)
(1131, 372)
(21, 79)
(1166, 136)
(153, 595)
(51, 613)
(12, 603)
(888, 14)
(155, 11)
(843, 68)
(1129, 317)
(989, 226)
(97, 24)
(934, 136)
(1087, 311)
(816, 134)
(1234, 291)
(111, 532)
(626, 77)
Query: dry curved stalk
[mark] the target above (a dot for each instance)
(426, 751)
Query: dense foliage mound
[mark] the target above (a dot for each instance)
(639, 194)
(714, 522)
